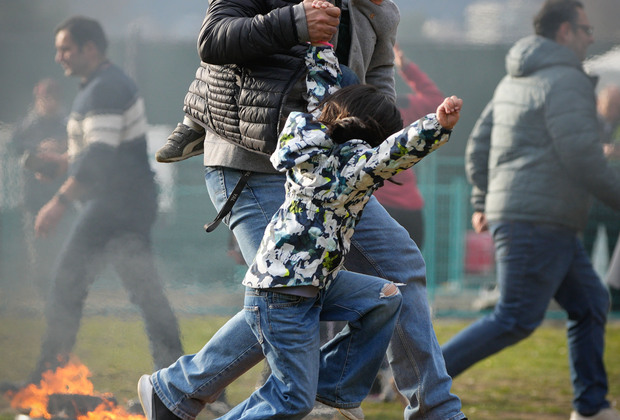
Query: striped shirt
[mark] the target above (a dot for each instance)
(107, 135)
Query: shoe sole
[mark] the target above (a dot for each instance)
(178, 158)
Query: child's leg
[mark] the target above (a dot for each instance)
(351, 360)
(287, 327)
(381, 247)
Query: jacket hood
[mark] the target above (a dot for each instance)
(535, 52)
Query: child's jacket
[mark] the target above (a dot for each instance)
(327, 187)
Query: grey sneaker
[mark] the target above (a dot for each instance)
(153, 408)
(322, 412)
(352, 413)
(183, 143)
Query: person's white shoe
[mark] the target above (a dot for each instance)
(604, 414)
(145, 393)
(152, 406)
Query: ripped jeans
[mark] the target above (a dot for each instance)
(287, 327)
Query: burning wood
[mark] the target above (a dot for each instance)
(67, 394)
(72, 406)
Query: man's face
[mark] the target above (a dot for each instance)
(70, 56)
(582, 35)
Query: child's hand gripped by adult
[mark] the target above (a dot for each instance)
(322, 19)
(321, 4)
(449, 112)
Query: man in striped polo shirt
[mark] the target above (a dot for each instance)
(109, 174)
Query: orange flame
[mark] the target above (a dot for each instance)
(109, 411)
(72, 378)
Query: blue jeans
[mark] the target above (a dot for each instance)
(287, 327)
(380, 247)
(537, 263)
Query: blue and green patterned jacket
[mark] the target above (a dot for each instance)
(327, 187)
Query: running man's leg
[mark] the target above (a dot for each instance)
(383, 248)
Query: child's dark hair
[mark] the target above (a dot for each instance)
(360, 112)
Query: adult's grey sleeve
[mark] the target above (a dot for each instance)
(477, 157)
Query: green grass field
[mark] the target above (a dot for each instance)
(527, 381)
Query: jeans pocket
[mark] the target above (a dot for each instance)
(283, 300)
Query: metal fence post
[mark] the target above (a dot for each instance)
(427, 175)
(458, 196)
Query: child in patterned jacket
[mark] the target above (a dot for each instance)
(334, 157)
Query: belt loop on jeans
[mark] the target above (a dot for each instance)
(228, 205)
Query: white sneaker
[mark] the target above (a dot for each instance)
(487, 299)
(604, 414)
(145, 393)
(152, 406)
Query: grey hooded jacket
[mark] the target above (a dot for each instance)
(534, 154)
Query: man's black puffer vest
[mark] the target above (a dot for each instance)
(248, 105)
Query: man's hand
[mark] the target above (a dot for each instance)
(51, 213)
(322, 22)
(449, 112)
(479, 222)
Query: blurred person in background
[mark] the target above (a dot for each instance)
(110, 176)
(402, 198)
(608, 107)
(534, 159)
(42, 133)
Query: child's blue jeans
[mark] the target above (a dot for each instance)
(287, 327)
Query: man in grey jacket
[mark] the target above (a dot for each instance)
(252, 78)
(534, 158)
